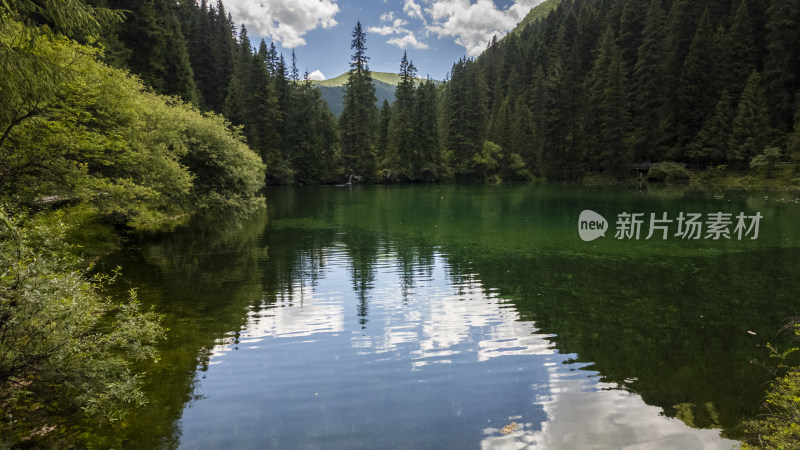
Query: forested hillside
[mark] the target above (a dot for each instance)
(580, 87)
(195, 51)
(599, 84)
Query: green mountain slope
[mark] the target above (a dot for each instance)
(333, 89)
(341, 80)
(539, 12)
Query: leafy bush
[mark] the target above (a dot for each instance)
(668, 172)
(66, 350)
(75, 128)
(780, 427)
(766, 161)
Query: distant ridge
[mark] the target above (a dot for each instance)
(540, 11)
(333, 89)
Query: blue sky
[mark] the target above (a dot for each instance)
(435, 33)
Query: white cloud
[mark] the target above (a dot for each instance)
(316, 75)
(384, 30)
(285, 21)
(413, 10)
(409, 40)
(472, 25)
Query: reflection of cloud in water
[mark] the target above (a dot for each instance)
(296, 316)
(588, 415)
(442, 320)
(442, 323)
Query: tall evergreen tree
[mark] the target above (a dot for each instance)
(382, 148)
(466, 102)
(359, 118)
(198, 28)
(739, 50)
(711, 144)
(751, 129)
(782, 63)
(696, 96)
(157, 48)
(401, 146)
(649, 86)
(426, 136)
(607, 116)
(224, 50)
(631, 30)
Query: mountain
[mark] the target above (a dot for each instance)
(333, 89)
(539, 12)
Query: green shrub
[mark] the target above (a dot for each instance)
(66, 350)
(667, 172)
(779, 428)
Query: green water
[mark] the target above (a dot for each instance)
(432, 316)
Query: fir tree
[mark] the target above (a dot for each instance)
(782, 63)
(711, 144)
(426, 133)
(401, 129)
(359, 119)
(751, 128)
(607, 108)
(740, 51)
(696, 97)
(649, 86)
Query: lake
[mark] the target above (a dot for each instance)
(466, 317)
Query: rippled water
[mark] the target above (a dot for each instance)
(435, 317)
(440, 364)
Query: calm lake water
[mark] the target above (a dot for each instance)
(434, 316)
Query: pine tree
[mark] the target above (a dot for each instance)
(224, 49)
(382, 148)
(359, 118)
(696, 95)
(740, 51)
(401, 143)
(198, 28)
(425, 132)
(607, 114)
(263, 121)
(466, 103)
(782, 63)
(711, 144)
(295, 74)
(681, 30)
(751, 128)
(157, 47)
(631, 30)
(235, 108)
(649, 86)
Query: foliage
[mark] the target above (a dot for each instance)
(66, 350)
(780, 427)
(668, 172)
(766, 161)
(86, 132)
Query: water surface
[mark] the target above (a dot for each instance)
(433, 316)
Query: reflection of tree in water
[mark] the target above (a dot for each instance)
(414, 258)
(296, 266)
(362, 247)
(201, 277)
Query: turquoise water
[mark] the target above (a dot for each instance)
(435, 316)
